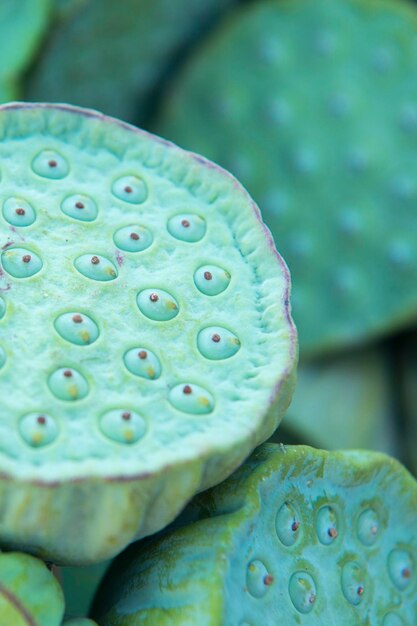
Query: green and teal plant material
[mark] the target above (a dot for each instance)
(343, 402)
(22, 25)
(408, 385)
(312, 104)
(114, 55)
(146, 343)
(295, 536)
(30, 595)
(79, 585)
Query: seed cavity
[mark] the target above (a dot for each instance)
(96, 267)
(78, 329)
(143, 362)
(368, 527)
(130, 189)
(38, 429)
(258, 579)
(157, 304)
(133, 238)
(68, 384)
(353, 582)
(20, 262)
(80, 207)
(287, 524)
(400, 568)
(327, 525)
(211, 279)
(18, 212)
(216, 343)
(122, 426)
(302, 590)
(50, 164)
(190, 398)
(187, 227)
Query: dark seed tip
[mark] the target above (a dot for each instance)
(187, 390)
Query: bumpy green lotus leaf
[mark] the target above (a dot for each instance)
(343, 402)
(146, 344)
(313, 104)
(295, 536)
(79, 585)
(22, 26)
(30, 595)
(112, 55)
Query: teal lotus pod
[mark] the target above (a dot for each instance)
(295, 536)
(78, 65)
(312, 104)
(22, 26)
(114, 414)
(343, 402)
(30, 595)
(79, 585)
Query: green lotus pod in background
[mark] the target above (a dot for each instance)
(295, 536)
(146, 345)
(312, 104)
(30, 595)
(79, 585)
(112, 56)
(22, 26)
(344, 402)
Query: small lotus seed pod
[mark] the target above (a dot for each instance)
(29, 592)
(338, 202)
(128, 385)
(263, 544)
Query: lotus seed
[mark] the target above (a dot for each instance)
(131, 189)
(190, 228)
(18, 212)
(133, 238)
(368, 527)
(353, 582)
(191, 399)
(287, 524)
(123, 426)
(143, 363)
(96, 267)
(258, 579)
(327, 525)
(211, 279)
(38, 430)
(400, 568)
(302, 590)
(157, 304)
(80, 207)
(68, 384)
(216, 342)
(78, 329)
(392, 619)
(21, 263)
(50, 164)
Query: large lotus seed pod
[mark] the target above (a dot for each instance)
(30, 595)
(312, 104)
(295, 536)
(343, 402)
(22, 26)
(146, 343)
(114, 55)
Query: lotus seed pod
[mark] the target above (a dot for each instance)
(30, 595)
(22, 26)
(295, 536)
(147, 38)
(114, 413)
(327, 150)
(343, 402)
